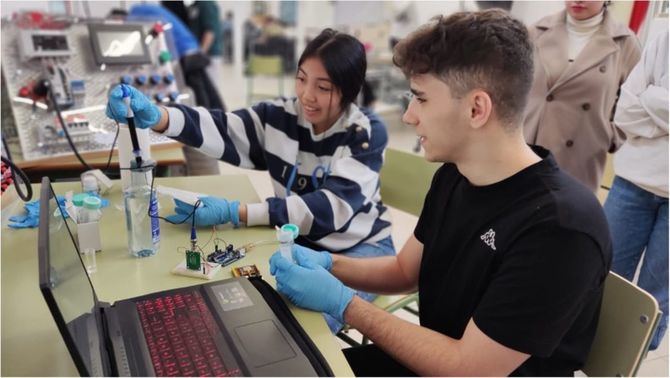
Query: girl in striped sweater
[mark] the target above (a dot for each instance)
(323, 153)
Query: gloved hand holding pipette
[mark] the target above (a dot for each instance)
(146, 114)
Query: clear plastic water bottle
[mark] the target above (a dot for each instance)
(285, 235)
(143, 230)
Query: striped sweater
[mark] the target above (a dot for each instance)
(343, 210)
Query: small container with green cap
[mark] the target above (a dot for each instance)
(88, 221)
(78, 199)
(90, 212)
(286, 235)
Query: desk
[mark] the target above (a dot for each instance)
(165, 155)
(31, 343)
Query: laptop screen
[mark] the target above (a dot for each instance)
(64, 278)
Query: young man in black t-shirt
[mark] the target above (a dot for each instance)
(509, 255)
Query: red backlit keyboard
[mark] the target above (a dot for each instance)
(180, 331)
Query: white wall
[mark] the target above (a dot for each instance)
(529, 12)
(312, 15)
(328, 13)
(429, 9)
(7, 8)
(361, 12)
(241, 10)
(315, 15)
(97, 8)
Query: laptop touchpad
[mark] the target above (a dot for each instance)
(264, 343)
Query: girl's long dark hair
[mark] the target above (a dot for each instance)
(343, 57)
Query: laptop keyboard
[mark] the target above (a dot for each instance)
(180, 331)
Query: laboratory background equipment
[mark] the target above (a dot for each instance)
(80, 59)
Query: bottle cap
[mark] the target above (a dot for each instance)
(292, 228)
(78, 199)
(89, 183)
(92, 203)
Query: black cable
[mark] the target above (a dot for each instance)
(111, 150)
(197, 203)
(16, 170)
(52, 97)
(109, 160)
(4, 143)
(191, 215)
(153, 176)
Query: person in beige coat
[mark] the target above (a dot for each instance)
(582, 56)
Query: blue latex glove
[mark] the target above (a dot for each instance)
(211, 212)
(145, 112)
(303, 255)
(311, 286)
(31, 218)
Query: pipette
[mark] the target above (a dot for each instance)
(130, 119)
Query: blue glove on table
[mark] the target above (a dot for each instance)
(31, 218)
(145, 112)
(303, 256)
(211, 212)
(311, 286)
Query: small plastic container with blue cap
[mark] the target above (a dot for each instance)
(286, 235)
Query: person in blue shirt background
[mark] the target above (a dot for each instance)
(193, 63)
(205, 23)
(184, 41)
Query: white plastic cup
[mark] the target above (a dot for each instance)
(89, 184)
(88, 257)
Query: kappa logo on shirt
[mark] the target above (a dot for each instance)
(489, 238)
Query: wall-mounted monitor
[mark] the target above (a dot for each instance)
(118, 44)
(43, 44)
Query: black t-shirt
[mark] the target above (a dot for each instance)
(526, 258)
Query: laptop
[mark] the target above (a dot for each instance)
(223, 328)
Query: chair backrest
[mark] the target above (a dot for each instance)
(628, 318)
(270, 65)
(405, 180)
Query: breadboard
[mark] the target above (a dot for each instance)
(182, 270)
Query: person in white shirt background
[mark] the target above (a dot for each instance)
(637, 205)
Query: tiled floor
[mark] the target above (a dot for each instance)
(656, 363)
(400, 137)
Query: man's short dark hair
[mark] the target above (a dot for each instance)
(488, 50)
